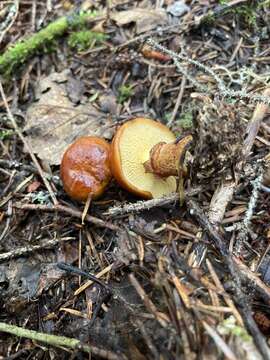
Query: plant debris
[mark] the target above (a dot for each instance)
(53, 121)
(119, 277)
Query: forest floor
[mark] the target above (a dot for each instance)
(136, 279)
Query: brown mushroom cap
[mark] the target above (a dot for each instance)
(85, 168)
(131, 148)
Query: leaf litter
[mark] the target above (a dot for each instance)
(59, 115)
(167, 281)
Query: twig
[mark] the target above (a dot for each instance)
(27, 250)
(245, 224)
(239, 296)
(160, 317)
(147, 339)
(178, 101)
(254, 124)
(219, 341)
(74, 270)
(13, 13)
(224, 194)
(222, 89)
(70, 211)
(227, 298)
(219, 201)
(17, 189)
(250, 277)
(59, 341)
(27, 146)
(148, 204)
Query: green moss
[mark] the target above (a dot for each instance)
(209, 19)
(246, 11)
(17, 54)
(125, 92)
(82, 40)
(78, 20)
(186, 121)
(5, 134)
(229, 327)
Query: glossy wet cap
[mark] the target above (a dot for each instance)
(85, 168)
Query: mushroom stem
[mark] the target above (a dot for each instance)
(166, 159)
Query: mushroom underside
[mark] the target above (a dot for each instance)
(135, 145)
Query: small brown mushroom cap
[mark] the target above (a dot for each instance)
(130, 149)
(85, 169)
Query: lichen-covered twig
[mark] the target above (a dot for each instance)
(224, 193)
(10, 19)
(148, 204)
(245, 224)
(59, 341)
(222, 88)
(27, 250)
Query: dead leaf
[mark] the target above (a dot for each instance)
(53, 121)
(145, 19)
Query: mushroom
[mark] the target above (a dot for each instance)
(85, 169)
(145, 158)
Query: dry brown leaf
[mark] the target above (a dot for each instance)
(54, 122)
(145, 19)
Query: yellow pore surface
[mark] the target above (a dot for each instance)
(135, 144)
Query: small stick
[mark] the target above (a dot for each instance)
(14, 17)
(26, 250)
(148, 204)
(239, 296)
(224, 193)
(253, 278)
(110, 289)
(27, 146)
(227, 299)
(178, 101)
(77, 271)
(86, 207)
(219, 342)
(93, 279)
(160, 317)
(254, 125)
(70, 211)
(59, 341)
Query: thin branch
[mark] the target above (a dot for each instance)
(27, 146)
(222, 88)
(59, 341)
(239, 296)
(224, 193)
(61, 208)
(148, 204)
(27, 250)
